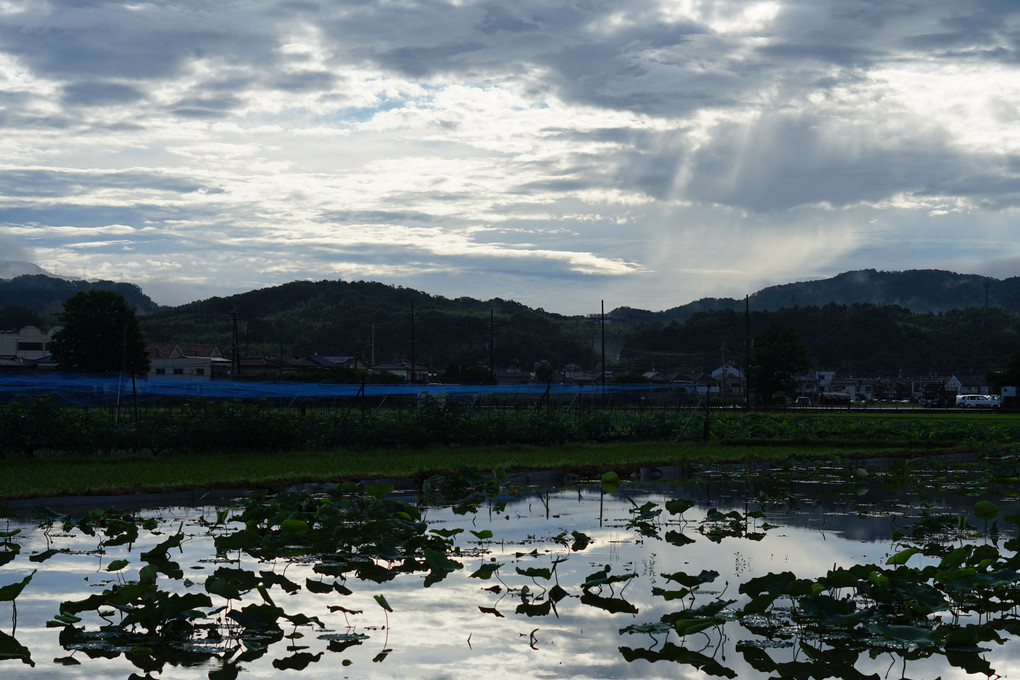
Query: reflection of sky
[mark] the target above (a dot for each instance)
(439, 632)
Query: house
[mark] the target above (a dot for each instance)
(855, 387)
(170, 361)
(512, 375)
(272, 363)
(816, 382)
(353, 363)
(704, 383)
(730, 379)
(403, 369)
(28, 343)
(968, 384)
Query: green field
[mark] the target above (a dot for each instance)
(735, 436)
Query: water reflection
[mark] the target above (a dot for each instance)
(655, 579)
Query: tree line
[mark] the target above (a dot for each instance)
(862, 339)
(458, 337)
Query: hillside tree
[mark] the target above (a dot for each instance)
(100, 334)
(776, 360)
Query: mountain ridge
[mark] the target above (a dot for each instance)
(921, 291)
(24, 284)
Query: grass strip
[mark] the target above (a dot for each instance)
(59, 475)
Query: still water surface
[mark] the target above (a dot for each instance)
(509, 624)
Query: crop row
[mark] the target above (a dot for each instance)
(920, 428)
(33, 425)
(30, 426)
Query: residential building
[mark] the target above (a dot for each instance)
(730, 379)
(968, 384)
(354, 363)
(170, 361)
(403, 369)
(28, 343)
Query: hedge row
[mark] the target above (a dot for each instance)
(32, 425)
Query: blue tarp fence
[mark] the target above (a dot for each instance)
(107, 389)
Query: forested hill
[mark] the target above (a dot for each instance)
(374, 320)
(867, 322)
(918, 290)
(859, 339)
(46, 294)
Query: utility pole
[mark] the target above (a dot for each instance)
(747, 352)
(603, 345)
(373, 342)
(413, 376)
(492, 368)
(235, 347)
(722, 389)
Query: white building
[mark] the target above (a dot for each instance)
(29, 343)
(187, 362)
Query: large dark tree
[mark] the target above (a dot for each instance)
(100, 334)
(776, 360)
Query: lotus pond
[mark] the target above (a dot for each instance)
(897, 569)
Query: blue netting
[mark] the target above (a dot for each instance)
(92, 390)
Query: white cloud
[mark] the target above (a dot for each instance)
(652, 152)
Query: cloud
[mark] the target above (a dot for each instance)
(555, 152)
(101, 93)
(13, 249)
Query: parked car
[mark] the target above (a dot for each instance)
(978, 401)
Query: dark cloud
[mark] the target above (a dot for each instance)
(54, 183)
(785, 161)
(499, 19)
(206, 107)
(150, 41)
(746, 120)
(101, 93)
(305, 81)
(376, 217)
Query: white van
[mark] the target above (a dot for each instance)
(977, 401)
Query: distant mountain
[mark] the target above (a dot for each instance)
(840, 319)
(374, 320)
(918, 290)
(46, 294)
(10, 269)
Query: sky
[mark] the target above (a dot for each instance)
(563, 154)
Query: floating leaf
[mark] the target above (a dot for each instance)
(218, 586)
(440, 562)
(902, 556)
(378, 490)
(42, 556)
(678, 506)
(986, 510)
(10, 648)
(536, 572)
(11, 591)
(296, 662)
(295, 527)
(581, 541)
(485, 571)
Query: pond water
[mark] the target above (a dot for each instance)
(583, 580)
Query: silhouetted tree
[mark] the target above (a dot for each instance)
(100, 334)
(776, 360)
